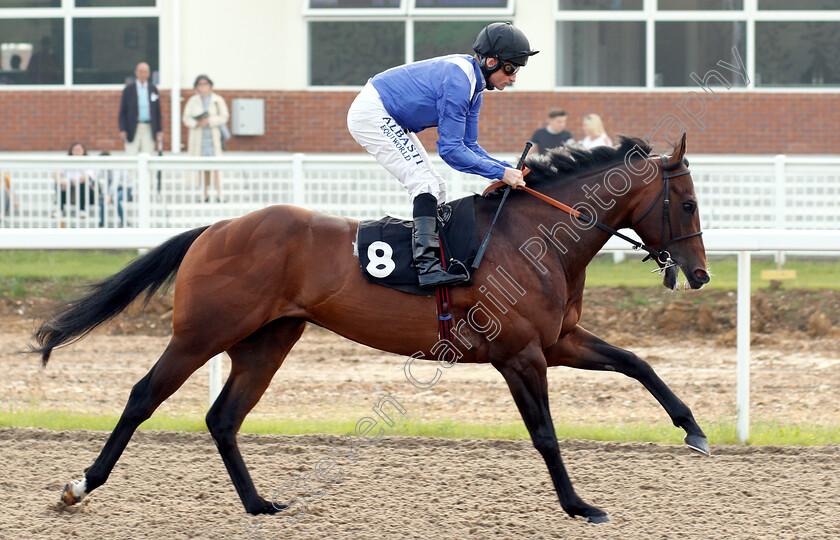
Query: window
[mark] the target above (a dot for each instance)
(462, 3)
(614, 5)
(30, 3)
(701, 5)
(106, 47)
(439, 38)
(32, 51)
(105, 51)
(327, 4)
(686, 47)
(798, 4)
(114, 3)
(612, 43)
(797, 53)
(376, 46)
(350, 41)
(600, 53)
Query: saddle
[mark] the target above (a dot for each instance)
(384, 245)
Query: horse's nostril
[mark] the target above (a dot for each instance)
(702, 276)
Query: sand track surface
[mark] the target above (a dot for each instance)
(173, 485)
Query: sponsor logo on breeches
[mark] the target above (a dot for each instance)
(395, 133)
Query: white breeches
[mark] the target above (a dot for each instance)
(400, 153)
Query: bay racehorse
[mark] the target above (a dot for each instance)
(249, 286)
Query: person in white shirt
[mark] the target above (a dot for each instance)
(75, 185)
(593, 129)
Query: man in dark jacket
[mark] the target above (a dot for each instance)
(139, 120)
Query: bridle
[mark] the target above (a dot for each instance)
(662, 256)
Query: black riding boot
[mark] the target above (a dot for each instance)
(425, 244)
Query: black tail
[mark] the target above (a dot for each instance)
(112, 295)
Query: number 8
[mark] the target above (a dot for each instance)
(380, 267)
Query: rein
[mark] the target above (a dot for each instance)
(660, 255)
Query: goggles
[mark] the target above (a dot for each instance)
(509, 69)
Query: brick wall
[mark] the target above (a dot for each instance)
(739, 123)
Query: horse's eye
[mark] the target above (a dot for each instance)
(689, 207)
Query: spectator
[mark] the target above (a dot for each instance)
(552, 135)
(46, 65)
(75, 185)
(204, 113)
(8, 195)
(593, 129)
(115, 186)
(139, 117)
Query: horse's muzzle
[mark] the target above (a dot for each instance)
(697, 278)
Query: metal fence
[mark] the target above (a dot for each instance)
(763, 192)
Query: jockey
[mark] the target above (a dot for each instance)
(445, 92)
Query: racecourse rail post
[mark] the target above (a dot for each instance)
(215, 378)
(780, 203)
(298, 187)
(144, 191)
(743, 347)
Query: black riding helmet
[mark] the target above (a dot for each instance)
(504, 41)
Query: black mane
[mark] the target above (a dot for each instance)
(565, 163)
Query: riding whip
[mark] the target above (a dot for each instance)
(483, 247)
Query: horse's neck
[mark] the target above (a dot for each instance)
(591, 195)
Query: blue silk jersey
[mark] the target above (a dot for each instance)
(445, 92)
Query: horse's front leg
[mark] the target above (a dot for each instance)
(583, 350)
(525, 374)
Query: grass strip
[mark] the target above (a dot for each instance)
(91, 264)
(31, 272)
(762, 432)
(810, 273)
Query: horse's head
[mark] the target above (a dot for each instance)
(666, 218)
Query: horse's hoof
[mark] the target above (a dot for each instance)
(266, 508)
(598, 516)
(698, 443)
(74, 491)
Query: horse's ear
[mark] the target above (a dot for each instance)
(679, 152)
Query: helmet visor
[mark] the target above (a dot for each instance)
(518, 60)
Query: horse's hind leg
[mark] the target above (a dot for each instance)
(254, 361)
(174, 367)
(525, 374)
(583, 350)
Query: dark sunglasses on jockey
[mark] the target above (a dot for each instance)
(508, 68)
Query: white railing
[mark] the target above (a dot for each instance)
(764, 192)
(768, 192)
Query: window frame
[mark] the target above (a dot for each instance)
(408, 8)
(68, 12)
(650, 15)
(407, 13)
